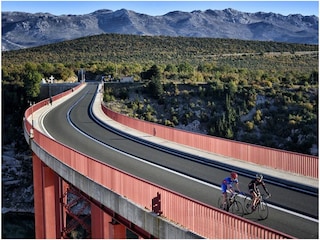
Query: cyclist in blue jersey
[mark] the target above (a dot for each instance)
(227, 184)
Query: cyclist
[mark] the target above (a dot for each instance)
(227, 185)
(254, 190)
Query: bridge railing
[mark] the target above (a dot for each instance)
(198, 217)
(302, 164)
(45, 102)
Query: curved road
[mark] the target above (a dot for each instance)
(77, 110)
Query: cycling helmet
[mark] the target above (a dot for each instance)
(234, 175)
(259, 176)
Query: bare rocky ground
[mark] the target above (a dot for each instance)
(17, 194)
(17, 189)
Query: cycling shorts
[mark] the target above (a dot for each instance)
(224, 188)
(251, 190)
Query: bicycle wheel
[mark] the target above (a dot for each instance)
(236, 208)
(221, 205)
(263, 210)
(247, 205)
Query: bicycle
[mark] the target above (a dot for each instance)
(261, 206)
(233, 205)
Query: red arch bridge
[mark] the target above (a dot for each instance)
(73, 189)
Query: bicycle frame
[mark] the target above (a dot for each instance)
(261, 206)
(233, 205)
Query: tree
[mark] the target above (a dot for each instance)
(155, 87)
(314, 77)
(62, 72)
(154, 71)
(232, 87)
(249, 125)
(32, 79)
(110, 69)
(46, 69)
(171, 68)
(258, 116)
(185, 67)
(197, 77)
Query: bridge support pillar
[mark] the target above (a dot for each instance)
(103, 226)
(64, 202)
(117, 230)
(47, 193)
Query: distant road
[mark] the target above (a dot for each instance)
(195, 180)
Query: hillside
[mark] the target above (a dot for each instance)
(119, 48)
(25, 30)
(244, 90)
(277, 117)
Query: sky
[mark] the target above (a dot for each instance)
(156, 8)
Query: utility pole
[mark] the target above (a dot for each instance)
(81, 75)
(50, 82)
(31, 104)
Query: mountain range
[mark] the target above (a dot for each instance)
(24, 30)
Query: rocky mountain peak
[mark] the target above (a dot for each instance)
(21, 30)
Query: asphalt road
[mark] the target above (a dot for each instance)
(57, 124)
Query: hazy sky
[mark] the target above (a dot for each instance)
(155, 8)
